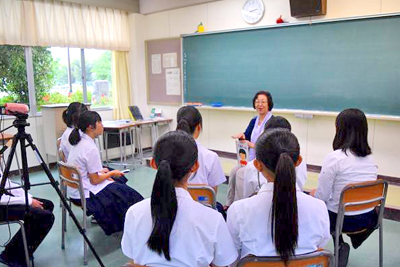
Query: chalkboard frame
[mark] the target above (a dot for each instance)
(295, 110)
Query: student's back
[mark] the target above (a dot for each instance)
(170, 228)
(280, 219)
(249, 223)
(199, 232)
(70, 117)
(210, 170)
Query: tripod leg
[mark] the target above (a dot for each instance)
(63, 199)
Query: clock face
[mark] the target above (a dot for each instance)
(253, 11)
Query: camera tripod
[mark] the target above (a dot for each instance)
(22, 137)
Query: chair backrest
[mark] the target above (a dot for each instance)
(204, 194)
(70, 177)
(60, 153)
(320, 258)
(362, 196)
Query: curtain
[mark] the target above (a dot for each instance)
(54, 23)
(121, 87)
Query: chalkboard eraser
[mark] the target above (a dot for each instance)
(217, 104)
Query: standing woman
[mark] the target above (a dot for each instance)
(70, 117)
(106, 198)
(350, 162)
(171, 229)
(280, 219)
(263, 104)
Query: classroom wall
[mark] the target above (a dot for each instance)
(316, 134)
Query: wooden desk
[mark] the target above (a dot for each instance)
(132, 127)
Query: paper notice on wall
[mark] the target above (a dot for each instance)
(173, 79)
(170, 60)
(156, 64)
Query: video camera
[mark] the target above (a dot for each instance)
(19, 110)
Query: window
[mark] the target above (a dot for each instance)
(59, 77)
(13, 77)
(98, 77)
(56, 74)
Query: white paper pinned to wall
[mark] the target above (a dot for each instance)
(156, 64)
(173, 79)
(170, 60)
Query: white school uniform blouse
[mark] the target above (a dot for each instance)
(249, 221)
(339, 170)
(86, 157)
(18, 195)
(199, 235)
(251, 183)
(210, 170)
(65, 145)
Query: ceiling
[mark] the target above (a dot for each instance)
(141, 6)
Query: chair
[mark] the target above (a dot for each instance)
(21, 225)
(357, 197)
(320, 258)
(70, 177)
(204, 194)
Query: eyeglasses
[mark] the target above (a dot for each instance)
(257, 102)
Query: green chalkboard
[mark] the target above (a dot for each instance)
(325, 66)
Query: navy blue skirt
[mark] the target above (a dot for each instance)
(110, 205)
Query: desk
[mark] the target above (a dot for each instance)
(127, 126)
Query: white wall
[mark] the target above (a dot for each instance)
(315, 135)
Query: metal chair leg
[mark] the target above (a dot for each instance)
(380, 245)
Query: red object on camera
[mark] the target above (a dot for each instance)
(12, 108)
(279, 20)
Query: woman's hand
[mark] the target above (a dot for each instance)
(116, 173)
(36, 204)
(105, 170)
(250, 144)
(239, 136)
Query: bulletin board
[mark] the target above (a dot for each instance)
(164, 71)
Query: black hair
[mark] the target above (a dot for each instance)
(242, 151)
(277, 122)
(86, 119)
(71, 114)
(269, 99)
(188, 117)
(352, 132)
(278, 150)
(175, 153)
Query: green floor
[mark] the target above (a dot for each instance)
(108, 247)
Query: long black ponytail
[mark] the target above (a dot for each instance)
(188, 117)
(278, 149)
(175, 153)
(86, 119)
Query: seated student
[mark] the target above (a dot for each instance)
(280, 219)
(252, 181)
(210, 170)
(350, 162)
(70, 117)
(107, 198)
(171, 229)
(12, 208)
